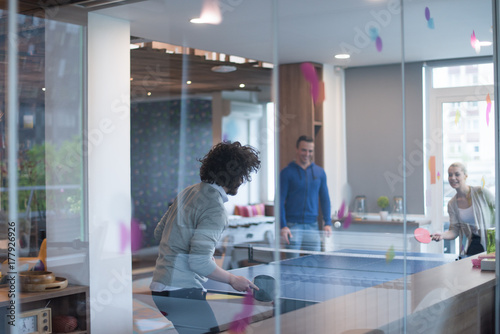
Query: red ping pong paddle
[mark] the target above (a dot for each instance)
(422, 235)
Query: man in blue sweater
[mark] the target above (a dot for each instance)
(302, 187)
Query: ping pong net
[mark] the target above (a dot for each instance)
(352, 253)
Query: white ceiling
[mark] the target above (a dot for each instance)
(315, 30)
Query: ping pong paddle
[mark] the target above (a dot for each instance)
(266, 286)
(422, 235)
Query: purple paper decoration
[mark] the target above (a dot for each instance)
(378, 44)
(347, 221)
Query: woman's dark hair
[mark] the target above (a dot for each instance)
(229, 164)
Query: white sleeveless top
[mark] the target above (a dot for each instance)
(467, 216)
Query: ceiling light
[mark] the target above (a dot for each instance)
(210, 13)
(149, 93)
(242, 85)
(189, 82)
(206, 19)
(342, 56)
(485, 43)
(197, 20)
(224, 68)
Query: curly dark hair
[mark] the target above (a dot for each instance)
(229, 164)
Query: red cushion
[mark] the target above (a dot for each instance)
(249, 210)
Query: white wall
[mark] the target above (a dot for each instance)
(108, 139)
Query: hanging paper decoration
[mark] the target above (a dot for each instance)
(378, 44)
(390, 254)
(341, 210)
(473, 40)
(309, 73)
(242, 319)
(488, 109)
(348, 220)
(374, 36)
(432, 169)
(476, 43)
(341, 214)
(430, 20)
(457, 117)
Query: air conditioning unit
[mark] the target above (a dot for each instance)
(242, 109)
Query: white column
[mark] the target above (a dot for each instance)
(335, 139)
(334, 135)
(109, 202)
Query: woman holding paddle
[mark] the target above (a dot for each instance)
(471, 212)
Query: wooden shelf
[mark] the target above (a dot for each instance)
(298, 114)
(72, 300)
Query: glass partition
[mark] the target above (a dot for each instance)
(354, 223)
(49, 154)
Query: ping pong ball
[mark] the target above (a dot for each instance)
(337, 224)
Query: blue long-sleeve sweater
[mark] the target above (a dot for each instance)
(299, 193)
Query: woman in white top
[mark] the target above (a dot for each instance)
(471, 212)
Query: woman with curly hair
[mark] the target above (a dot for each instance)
(190, 231)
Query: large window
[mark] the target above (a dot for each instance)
(461, 128)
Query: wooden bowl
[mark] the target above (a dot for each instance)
(37, 277)
(58, 284)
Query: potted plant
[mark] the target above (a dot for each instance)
(383, 203)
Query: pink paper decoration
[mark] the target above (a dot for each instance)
(309, 73)
(242, 319)
(341, 210)
(488, 109)
(473, 40)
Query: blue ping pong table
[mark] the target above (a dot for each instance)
(320, 277)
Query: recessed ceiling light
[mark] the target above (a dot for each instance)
(224, 68)
(197, 20)
(189, 82)
(242, 85)
(342, 56)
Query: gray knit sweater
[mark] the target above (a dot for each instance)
(189, 232)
